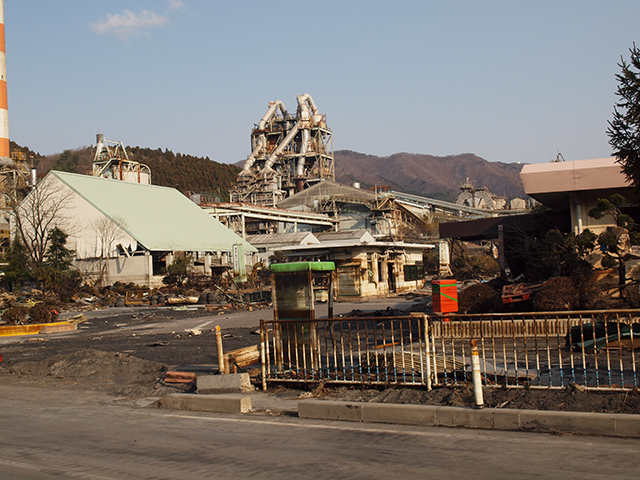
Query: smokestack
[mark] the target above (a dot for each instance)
(4, 112)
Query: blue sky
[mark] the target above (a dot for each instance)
(510, 81)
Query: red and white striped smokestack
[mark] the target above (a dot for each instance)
(4, 112)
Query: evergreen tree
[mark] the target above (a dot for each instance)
(59, 257)
(56, 273)
(178, 271)
(624, 129)
(67, 162)
(17, 271)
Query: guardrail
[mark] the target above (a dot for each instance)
(595, 349)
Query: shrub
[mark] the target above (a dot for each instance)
(479, 298)
(42, 313)
(15, 316)
(556, 294)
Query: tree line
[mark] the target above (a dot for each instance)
(180, 171)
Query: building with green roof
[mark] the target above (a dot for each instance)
(132, 230)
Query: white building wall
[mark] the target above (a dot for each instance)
(376, 283)
(137, 269)
(82, 222)
(581, 203)
(85, 226)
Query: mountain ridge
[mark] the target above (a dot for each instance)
(428, 175)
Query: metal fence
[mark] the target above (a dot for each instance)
(595, 349)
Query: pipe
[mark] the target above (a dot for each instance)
(221, 366)
(303, 114)
(262, 140)
(4, 109)
(304, 148)
(260, 146)
(287, 140)
(273, 106)
(304, 103)
(306, 98)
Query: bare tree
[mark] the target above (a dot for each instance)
(43, 209)
(107, 231)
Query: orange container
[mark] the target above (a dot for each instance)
(445, 296)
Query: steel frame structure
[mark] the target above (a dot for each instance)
(289, 153)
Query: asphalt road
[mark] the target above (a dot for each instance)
(232, 319)
(161, 334)
(53, 433)
(87, 436)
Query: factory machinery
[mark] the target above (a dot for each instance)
(17, 177)
(111, 160)
(288, 154)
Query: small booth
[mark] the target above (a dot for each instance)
(294, 299)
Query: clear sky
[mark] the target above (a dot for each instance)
(510, 81)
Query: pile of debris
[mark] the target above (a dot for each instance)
(22, 310)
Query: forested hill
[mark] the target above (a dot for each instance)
(187, 173)
(428, 175)
(183, 172)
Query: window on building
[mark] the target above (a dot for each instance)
(413, 272)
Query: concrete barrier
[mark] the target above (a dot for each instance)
(32, 329)
(59, 327)
(206, 403)
(230, 383)
(408, 415)
(604, 424)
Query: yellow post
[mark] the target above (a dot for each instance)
(221, 368)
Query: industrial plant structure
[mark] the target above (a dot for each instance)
(288, 154)
(111, 160)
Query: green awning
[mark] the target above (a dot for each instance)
(303, 267)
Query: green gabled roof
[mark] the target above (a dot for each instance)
(159, 218)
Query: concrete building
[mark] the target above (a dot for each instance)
(576, 186)
(365, 267)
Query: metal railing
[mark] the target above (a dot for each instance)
(545, 350)
(376, 350)
(594, 349)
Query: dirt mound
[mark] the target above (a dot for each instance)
(117, 373)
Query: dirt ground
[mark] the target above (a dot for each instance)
(569, 399)
(100, 356)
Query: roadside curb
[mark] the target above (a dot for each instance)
(579, 423)
(11, 330)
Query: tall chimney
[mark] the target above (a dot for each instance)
(4, 112)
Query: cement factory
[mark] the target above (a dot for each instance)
(93, 232)
(285, 201)
(288, 154)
